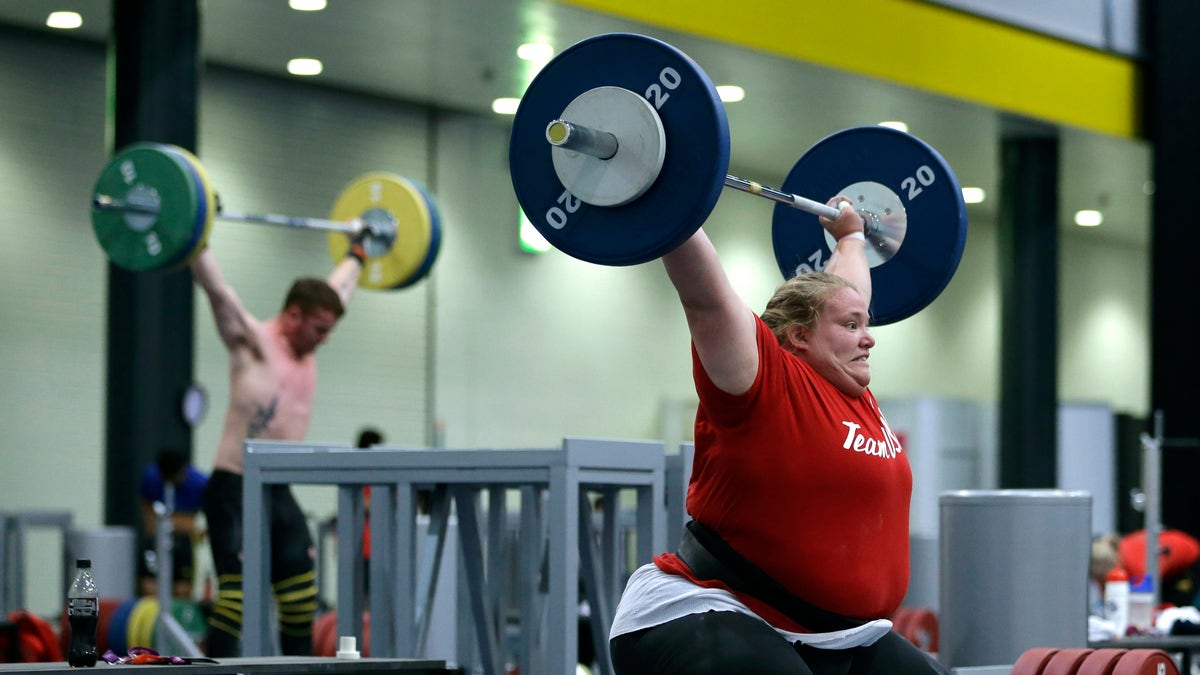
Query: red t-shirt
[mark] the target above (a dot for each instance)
(805, 482)
(1177, 552)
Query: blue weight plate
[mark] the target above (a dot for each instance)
(118, 627)
(435, 240)
(693, 172)
(927, 189)
(202, 206)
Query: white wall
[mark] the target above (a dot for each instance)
(1105, 24)
(52, 306)
(1104, 324)
(496, 349)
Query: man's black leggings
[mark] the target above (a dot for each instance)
(731, 642)
(292, 576)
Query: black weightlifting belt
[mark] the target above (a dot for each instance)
(710, 558)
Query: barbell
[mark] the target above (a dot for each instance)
(153, 207)
(620, 149)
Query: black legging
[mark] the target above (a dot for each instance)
(731, 642)
(292, 576)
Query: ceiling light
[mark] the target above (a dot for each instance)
(973, 195)
(898, 126)
(535, 51)
(307, 5)
(1088, 218)
(304, 67)
(65, 20)
(506, 106)
(731, 93)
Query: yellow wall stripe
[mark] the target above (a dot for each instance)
(919, 45)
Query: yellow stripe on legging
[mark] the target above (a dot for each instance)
(230, 611)
(229, 600)
(297, 613)
(224, 627)
(305, 578)
(297, 595)
(294, 607)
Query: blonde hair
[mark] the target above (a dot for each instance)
(800, 300)
(1104, 556)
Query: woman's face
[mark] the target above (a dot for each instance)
(840, 344)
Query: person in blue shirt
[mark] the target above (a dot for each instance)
(188, 483)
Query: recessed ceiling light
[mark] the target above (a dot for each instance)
(731, 93)
(973, 195)
(898, 126)
(1088, 218)
(64, 20)
(304, 67)
(506, 106)
(537, 52)
(307, 5)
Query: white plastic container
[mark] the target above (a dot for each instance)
(1141, 604)
(1116, 600)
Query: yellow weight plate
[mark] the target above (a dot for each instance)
(210, 201)
(141, 623)
(397, 207)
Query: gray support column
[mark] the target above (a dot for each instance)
(154, 70)
(1170, 102)
(1028, 243)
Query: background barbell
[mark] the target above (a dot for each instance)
(153, 207)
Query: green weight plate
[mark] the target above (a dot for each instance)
(187, 614)
(150, 176)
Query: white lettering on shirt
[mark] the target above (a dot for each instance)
(887, 447)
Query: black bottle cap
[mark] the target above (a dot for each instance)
(83, 563)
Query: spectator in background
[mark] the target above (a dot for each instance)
(367, 436)
(171, 467)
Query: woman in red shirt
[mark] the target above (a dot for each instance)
(799, 490)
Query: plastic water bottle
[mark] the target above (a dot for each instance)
(1116, 600)
(83, 615)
